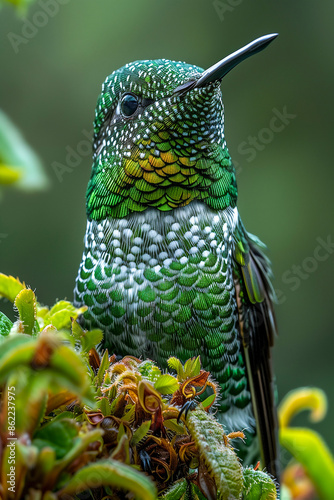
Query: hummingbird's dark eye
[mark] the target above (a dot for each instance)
(129, 104)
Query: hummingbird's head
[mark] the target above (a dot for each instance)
(159, 138)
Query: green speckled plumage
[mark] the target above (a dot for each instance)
(168, 269)
(160, 159)
(168, 286)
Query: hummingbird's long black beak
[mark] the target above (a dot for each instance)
(221, 68)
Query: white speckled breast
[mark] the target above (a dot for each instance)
(168, 258)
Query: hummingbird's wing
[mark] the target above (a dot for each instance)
(257, 329)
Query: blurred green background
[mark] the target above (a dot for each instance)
(50, 79)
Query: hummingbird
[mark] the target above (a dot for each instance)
(168, 268)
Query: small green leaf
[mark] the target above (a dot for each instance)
(171, 423)
(91, 339)
(196, 493)
(183, 490)
(208, 401)
(5, 324)
(104, 365)
(196, 367)
(140, 433)
(10, 287)
(57, 434)
(166, 384)
(60, 306)
(175, 364)
(192, 367)
(114, 474)
(104, 406)
(176, 492)
(87, 339)
(25, 302)
(187, 367)
(61, 314)
(129, 415)
(77, 330)
(258, 486)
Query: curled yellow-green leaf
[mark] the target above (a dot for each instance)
(306, 398)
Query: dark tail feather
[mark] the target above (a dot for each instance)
(258, 329)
